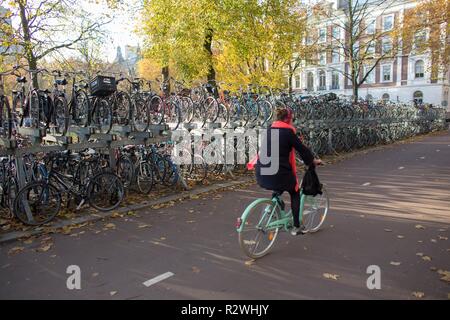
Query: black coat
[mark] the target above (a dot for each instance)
(284, 179)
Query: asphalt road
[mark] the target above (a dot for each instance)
(389, 208)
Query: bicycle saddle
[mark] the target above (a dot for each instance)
(61, 82)
(21, 79)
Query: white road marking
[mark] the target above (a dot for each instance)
(157, 279)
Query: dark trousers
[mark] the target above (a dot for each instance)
(295, 205)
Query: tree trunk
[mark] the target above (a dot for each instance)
(165, 74)
(290, 75)
(29, 54)
(211, 76)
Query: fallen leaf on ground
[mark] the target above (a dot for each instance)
(141, 226)
(53, 256)
(190, 221)
(191, 211)
(418, 226)
(29, 241)
(445, 275)
(112, 293)
(420, 254)
(433, 240)
(400, 237)
(443, 238)
(45, 248)
(395, 263)
(331, 276)
(195, 270)
(249, 262)
(418, 294)
(388, 230)
(426, 258)
(15, 250)
(110, 226)
(433, 268)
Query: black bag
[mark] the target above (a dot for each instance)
(311, 185)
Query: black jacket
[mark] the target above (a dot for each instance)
(284, 179)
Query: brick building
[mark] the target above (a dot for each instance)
(405, 77)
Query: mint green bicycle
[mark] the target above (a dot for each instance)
(263, 219)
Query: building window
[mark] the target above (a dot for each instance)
(385, 97)
(420, 39)
(322, 58)
(336, 31)
(335, 80)
(322, 35)
(297, 82)
(418, 97)
(388, 22)
(386, 46)
(335, 57)
(310, 81)
(370, 49)
(386, 73)
(371, 76)
(322, 80)
(370, 29)
(419, 69)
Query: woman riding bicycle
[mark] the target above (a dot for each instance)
(284, 176)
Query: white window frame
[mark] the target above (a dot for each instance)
(386, 39)
(324, 73)
(371, 48)
(325, 37)
(333, 73)
(323, 55)
(425, 31)
(298, 83)
(371, 22)
(423, 69)
(384, 18)
(371, 74)
(391, 72)
(338, 32)
(335, 52)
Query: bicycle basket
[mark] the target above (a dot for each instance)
(102, 86)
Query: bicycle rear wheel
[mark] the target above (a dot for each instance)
(105, 192)
(315, 210)
(256, 238)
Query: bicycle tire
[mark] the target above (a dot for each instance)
(107, 187)
(259, 214)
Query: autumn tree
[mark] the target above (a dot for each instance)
(47, 26)
(426, 29)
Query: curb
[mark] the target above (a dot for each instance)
(15, 235)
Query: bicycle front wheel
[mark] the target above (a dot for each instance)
(105, 192)
(257, 236)
(315, 210)
(37, 203)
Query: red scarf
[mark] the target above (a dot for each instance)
(281, 125)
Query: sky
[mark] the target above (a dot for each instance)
(121, 30)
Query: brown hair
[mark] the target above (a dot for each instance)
(281, 114)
